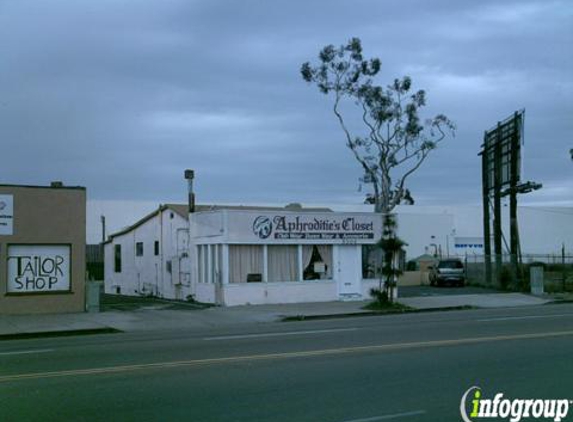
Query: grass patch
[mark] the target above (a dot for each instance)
(387, 307)
(63, 333)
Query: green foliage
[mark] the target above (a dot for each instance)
(505, 277)
(381, 296)
(395, 140)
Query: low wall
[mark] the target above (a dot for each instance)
(288, 292)
(414, 278)
(205, 293)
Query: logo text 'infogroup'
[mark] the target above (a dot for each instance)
(514, 410)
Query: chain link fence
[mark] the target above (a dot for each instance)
(558, 271)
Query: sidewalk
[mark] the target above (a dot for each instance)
(157, 317)
(484, 300)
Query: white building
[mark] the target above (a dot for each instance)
(151, 257)
(256, 257)
(458, 230)
(231, 255)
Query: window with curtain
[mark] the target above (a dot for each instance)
(245, 263)
(282, 263)
(317, 262)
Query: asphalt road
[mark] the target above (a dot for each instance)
(413, 367)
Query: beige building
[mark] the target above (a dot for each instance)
(42, 249)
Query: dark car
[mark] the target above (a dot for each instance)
(448, 271)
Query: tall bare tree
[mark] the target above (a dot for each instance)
(393, 142)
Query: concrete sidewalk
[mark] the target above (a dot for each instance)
(158, 318)
(482, 300)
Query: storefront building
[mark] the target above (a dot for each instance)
(42, 249)
(258, 257)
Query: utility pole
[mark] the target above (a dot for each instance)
(102, 229)
(486, 217)
(563, 269)
(497, 236)
(513, 180)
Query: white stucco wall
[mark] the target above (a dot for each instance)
(148, 274)
(290, 292)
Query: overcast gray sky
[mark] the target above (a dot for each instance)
(121, 96)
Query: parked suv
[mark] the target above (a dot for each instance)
(448, 271)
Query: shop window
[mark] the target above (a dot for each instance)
(200, 268)
(372, 261)
(205, 272)
(156, 248)
(139, 249)
(215, 264)
(245, 263)
(317, 262)
(205, 263)
(117, 258)
(283, 263)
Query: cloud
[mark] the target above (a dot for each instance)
(122, 96)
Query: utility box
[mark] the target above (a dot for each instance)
(42, 249)
(94, 290)
(536, 280)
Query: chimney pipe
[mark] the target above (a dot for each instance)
(189, 176)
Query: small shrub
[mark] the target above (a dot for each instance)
(381, 296)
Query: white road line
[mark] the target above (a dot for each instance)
(387, 417)
(511, 318)
(289, 333)
(26, 352)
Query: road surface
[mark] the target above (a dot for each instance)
(409, 368)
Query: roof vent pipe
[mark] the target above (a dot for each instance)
(189, 176)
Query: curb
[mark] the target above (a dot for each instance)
(559, 301)
(375, 313)
(61, 333)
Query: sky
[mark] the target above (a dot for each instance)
(120, 96)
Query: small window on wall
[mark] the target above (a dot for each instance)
(117, 258)
(156, 248)
(139, 249)
(245, 263)
(317, 262)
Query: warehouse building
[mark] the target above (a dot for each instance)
(151, 257)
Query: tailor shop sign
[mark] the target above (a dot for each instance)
(38, 268)
(327, 229)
